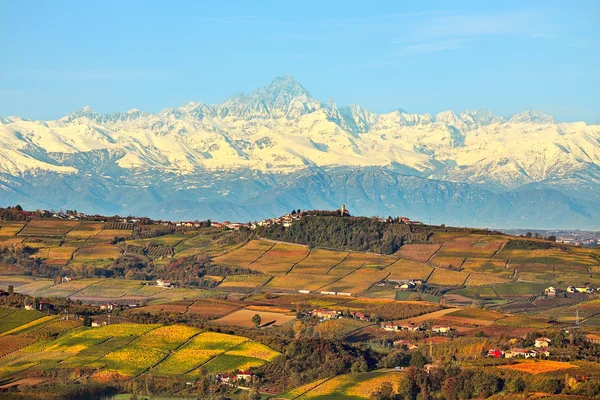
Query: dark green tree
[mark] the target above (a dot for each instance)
(256, 319)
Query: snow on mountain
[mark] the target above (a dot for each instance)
(280, 128)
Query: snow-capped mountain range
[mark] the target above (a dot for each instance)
(280, 134)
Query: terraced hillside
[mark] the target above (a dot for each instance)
(124, 350)
(448, 259)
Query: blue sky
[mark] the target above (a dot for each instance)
(506, 56)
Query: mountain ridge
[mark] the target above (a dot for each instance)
(280, 130)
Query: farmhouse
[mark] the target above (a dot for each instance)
(542, 342)
(402, 327)
(578, 289)
(229, 378)
(405, 343)
(163, 283)
(441, 328)
(325, 314)
(359, 315)
(107, 306)
(592, 338)
(523, 353)
(304, 291)
(551, 291)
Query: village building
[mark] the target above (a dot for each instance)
(542, 342)
(343, 211)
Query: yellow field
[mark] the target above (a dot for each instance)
(244, 281)
(244, 256)
(107, 234)
(10, 228)
(280, 258)
(97, 253)
(483, 279)
(488, 266)
(357, 282)
(60, 255)
(366, 387)
(408, 269)
(441, 237)
(357, 260)
(539, 366)
(28, 325)
(446, 277)
(255, 350)
(320, 261)
(447, 261)
(43, 227)
(85, 229)
(361, 385)
(297, 281)
(419, 252)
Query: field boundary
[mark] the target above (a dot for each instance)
(314, 387)
(299, 261)
(344, 259)
(340, 278)
(215, 356)
(434, 254)
(169, 354)
(431, 273)
(499, 250)
(259, 257)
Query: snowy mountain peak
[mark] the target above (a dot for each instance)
(532, 117)
(481, 117)
(285, 97)
(84, 112)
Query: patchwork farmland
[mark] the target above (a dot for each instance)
(126, 349)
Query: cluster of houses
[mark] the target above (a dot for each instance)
(552, 291)
(403, 284)
(240, 376)
(285, 220)
(541, 349)
(410, 327)
(326, 314)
